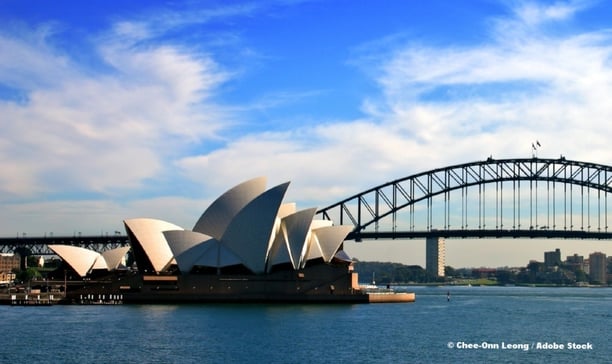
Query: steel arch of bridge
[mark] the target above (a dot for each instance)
(576, 184)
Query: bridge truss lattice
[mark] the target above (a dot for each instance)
(529, 197)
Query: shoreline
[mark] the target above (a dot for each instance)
(535, 285)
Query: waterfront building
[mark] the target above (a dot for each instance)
(598, 267)
(552, 258)
(435, 252)
(8, 262)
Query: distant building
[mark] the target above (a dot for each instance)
(598, 267)
(435, 252)
(553, 258)
(575, 262)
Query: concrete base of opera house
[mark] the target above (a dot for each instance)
(315, 284)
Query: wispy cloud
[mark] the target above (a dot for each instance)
(101, 130)
(535, 14)
(527, 82)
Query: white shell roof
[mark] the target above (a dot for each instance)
(221, 212)
(311, 251)
(80, 259)
(292, 235)
(330, 238)
(149, 234)
(84, 260)
(217, 255)
(250, 231)
(113, 257)
(191, 248)
(298, 229)
(187, 246)
(279, 251)
(324, 243)
(100, 263)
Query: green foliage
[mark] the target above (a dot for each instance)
(32, 261)
(534, 273)
(391, 273)
(27, 275)
(581, 276)
(449, 271)
(505, 277)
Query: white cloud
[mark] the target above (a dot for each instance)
(102, 131)
(28, 61)
(537, 86)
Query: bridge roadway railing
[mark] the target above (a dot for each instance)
(481, 234)
(39, 245)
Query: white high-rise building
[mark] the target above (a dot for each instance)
(434, 256)
(598, 267)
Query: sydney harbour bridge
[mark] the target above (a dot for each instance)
(494, 198)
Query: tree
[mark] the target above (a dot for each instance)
(449, 271)
(27, 275)
(505, 277)
(581, 276)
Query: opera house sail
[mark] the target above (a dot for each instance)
(247, 246)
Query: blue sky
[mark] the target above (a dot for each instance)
(113, 109)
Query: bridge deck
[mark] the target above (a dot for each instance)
(481, 234)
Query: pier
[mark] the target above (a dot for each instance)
(30, 299)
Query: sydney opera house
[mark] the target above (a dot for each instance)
(248, 246)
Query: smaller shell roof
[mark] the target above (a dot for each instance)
(330, 238)
(191, 249)
(84, 260)
(187, 246)
(298, 229)
(114, 257)
(149, 235)
(218, 256)
(80, 259)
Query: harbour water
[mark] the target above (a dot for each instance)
(477, 324)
